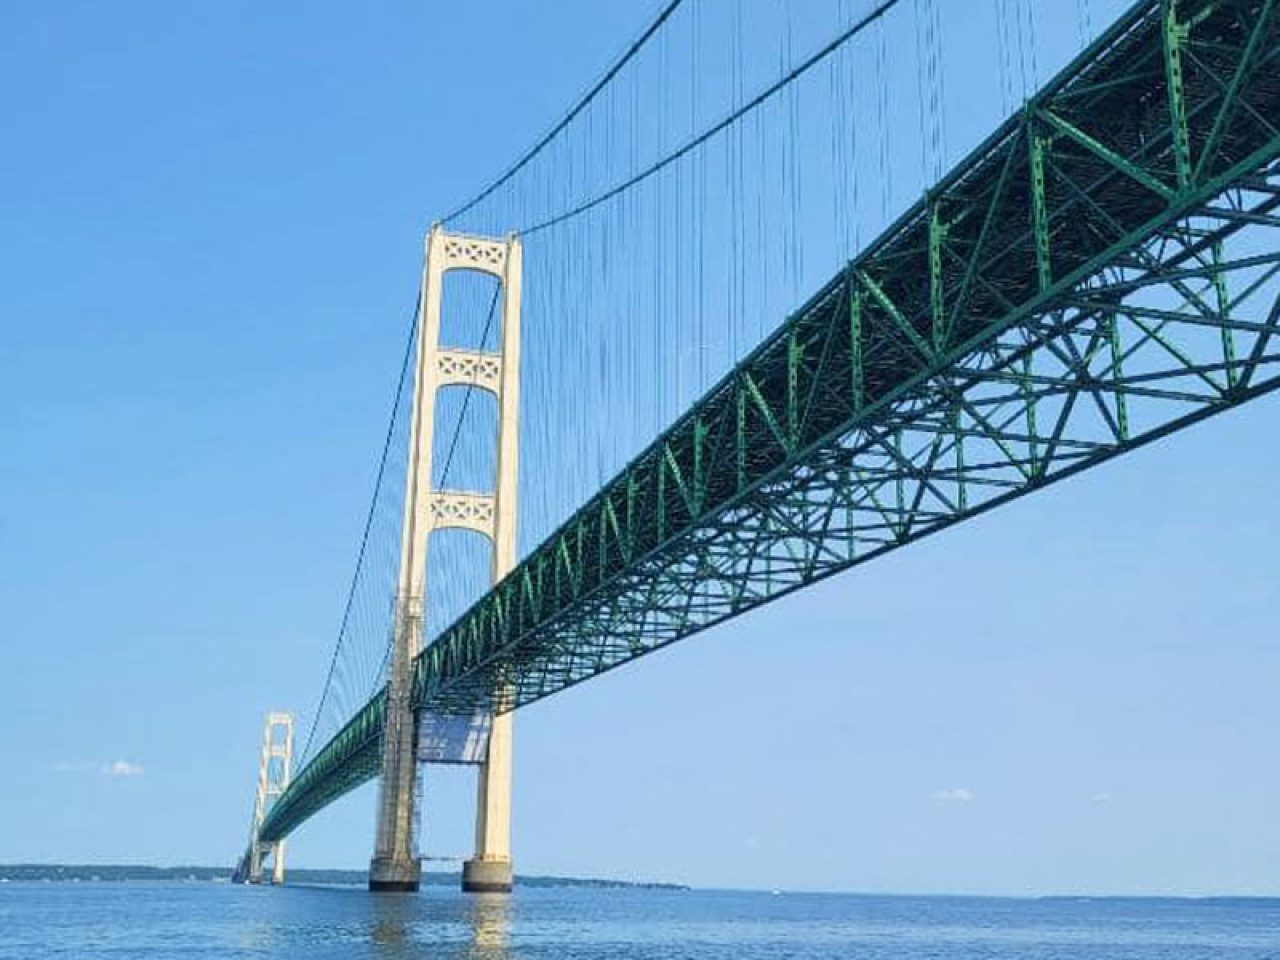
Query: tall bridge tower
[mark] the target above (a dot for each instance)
(274, 768)
(395, 864)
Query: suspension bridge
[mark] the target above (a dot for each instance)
(1096, 269)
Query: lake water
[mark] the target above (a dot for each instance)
(88, 921)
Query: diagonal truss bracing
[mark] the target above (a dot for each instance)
(1102, 271)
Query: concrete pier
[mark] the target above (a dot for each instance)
(487, 876)
(489, 871)
(392, 875)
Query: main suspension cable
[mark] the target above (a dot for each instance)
(576, 109)
(726, 122)
(368, 526)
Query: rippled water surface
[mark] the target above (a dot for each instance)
(161, 920)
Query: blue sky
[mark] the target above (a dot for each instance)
(210, 227)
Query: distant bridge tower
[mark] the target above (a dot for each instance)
(273, 778)
(395, 864)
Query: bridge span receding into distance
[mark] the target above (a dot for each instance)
(1102, 271)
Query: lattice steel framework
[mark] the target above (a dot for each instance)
(1102, 271)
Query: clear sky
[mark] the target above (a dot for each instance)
(210, 226)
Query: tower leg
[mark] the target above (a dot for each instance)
(256, 856)
(395, 867)
(490, 870)
(277, 863)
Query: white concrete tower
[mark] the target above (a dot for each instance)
(395, 864)
(273, 779)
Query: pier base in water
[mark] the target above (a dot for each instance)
(486, 876)
(394, 876)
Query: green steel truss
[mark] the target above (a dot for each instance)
(1105, 269)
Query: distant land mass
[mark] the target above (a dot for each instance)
(90, 873)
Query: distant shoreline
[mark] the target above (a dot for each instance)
(125, 873)
(116, 873)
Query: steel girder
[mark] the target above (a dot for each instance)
(1070, 291)
(1103, 270)
(351, 758)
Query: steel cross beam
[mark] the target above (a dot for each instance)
(1102, 271)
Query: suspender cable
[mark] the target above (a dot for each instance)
(368, 526)
(576, 109)
(453, 440)
(689, 146)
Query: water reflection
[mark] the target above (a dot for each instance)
(409, 927)
(165, 920)
(490, 920)
(392, 917)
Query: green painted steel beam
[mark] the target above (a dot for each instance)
(1102, 271)
(351, 758)
(1107, 185)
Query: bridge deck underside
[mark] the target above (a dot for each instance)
(1104, 270)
